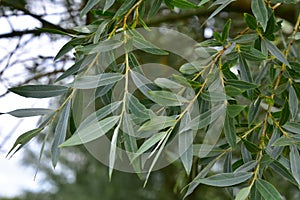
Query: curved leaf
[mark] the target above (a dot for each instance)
(226, 179)
(91, 132)
(267, 190)
(39, 91)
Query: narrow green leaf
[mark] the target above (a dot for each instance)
(206, 118)
(260, 12)
(29, 112)
(283, 171)
(283, 141)
(276, 52)
(158, 123)
(68, 47)
(89, 5)
(149, 143)
(183, 4)
(245, 70)
(193, 185)
(293, 103)
(154, 8)
(99, 115)
(234, 110)
(60, 133)
(213, 96)
(124, 8)
(253, 54)
(225, 32)
(39, 91)
(91, 132)
(88, 82)
(243, 85)
(253, 148)
(24, 139)
(71, 71)
(292, 127)
(227, 166)
(168, 84)
(250, 21)
(250, 165)
(246, 38)
(141, 82)
(254, 193)
(254, 110)
(166, 98)
(229, 131)
(285, 113)
(186, 150)
(147, 46)
(206, 150)
(220, 8)
(108, 4)
(267, 190)
(101, 47)
(295, 163)
(226, 179)
(112, 152)
(191, 68)
(136, 108)
(100, 30)
(243, 193)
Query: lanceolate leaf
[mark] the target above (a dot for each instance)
(167, 84)
(141, 82)
(60, 132)
(108, 4)
(102, 46)
(148, 47)
(243, 193)
(226, 179)
(250, 21)
(229, 130)
(88, 82)
(136, 107)
(260, 12)
(220, 8)
(283, 171)
(72, 70)
(39, 91)
(91, 132)
(112, 152)
(24, 139)
(276, 52)
(90, 4)
(158, 123)
(183, 4)
(206, 118)
(243, 85)
(267, 190)
(235, 110)
(29, 112)
(166, 98)
(186, 150)
(292, 127)
(295, 163)
(154, 8)
(150, 143)
(293, 103)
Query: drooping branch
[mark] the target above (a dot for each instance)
(287, 12)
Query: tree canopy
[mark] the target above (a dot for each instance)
(212, 86)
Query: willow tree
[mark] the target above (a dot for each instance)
(138, 97)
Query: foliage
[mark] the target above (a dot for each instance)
(247, 122)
